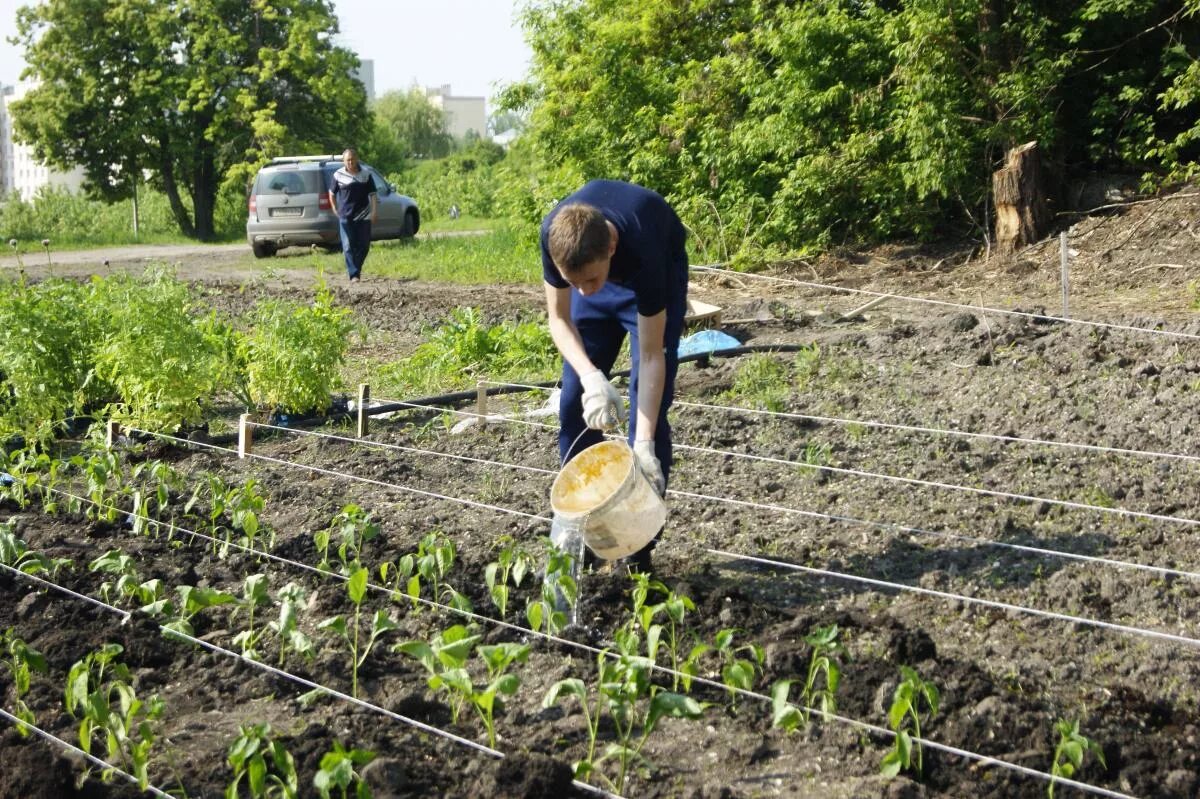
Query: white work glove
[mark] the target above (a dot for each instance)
(603, 407)
(648, 463)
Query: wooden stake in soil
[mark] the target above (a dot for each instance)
(1020, 198)
(111, 431)
(1064, 258)
(481, 402)
(244, 435)
(364, 397)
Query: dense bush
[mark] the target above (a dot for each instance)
(72, 219)
(141, 350)
(775, 124)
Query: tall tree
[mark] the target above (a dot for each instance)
(416, 123)
(191, 93)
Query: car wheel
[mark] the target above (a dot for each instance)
(410, 225)
(263, 249)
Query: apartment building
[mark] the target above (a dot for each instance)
(20, 172)
(463, 114)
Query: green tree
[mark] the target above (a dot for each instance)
(416, 122)
(774, 124)
(192, 93)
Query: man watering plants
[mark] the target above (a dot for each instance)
(614, 263)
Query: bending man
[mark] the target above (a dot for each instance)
(614, 263)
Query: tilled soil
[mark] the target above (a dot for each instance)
(1029, 582)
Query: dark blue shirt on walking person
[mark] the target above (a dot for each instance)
(352, 193)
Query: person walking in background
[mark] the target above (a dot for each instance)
(352, 194)
(614, 263)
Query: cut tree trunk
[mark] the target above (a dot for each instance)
(1019, 191)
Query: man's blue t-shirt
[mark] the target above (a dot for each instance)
(650, 256)
(352, 194)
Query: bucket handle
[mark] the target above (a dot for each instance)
(567, 456)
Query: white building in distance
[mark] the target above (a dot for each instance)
(463, 114)
(19, 171)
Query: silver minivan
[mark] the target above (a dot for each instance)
(289, 206)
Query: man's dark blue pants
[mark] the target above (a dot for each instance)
(356, 243)
(603, 319)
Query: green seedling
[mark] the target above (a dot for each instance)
(511, 566)
(22, 661)
(674, 607)
(16, 555)
(99, 469)
(807, 364)
(820, 683)
(497, 658)
(338, 770)
(128, 586)
(737, 672)
(286, 627)
(245, 505)
(99, 694)
(1070, 752)
(351, 528)
(552, 607)
(445, 658)
(267, 767)
(761, 381)
(430, 564)
(356, 589)
(254, 596)
(634, 705)
(217, 495)
(192, 600)
(904, 713)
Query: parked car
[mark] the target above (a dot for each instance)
(289, 206)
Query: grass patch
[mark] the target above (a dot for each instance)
(502, 255)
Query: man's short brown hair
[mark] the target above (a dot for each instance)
(579, 236)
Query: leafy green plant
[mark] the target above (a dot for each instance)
(22, 661)
(254, 596)
(674, 607)
(497, 658)
(559, 593)
(634, 705)
(287, 628)
(512, 564)
(338, 770)
(128, 585)
(245, 505)
(100, 695)
(820, 683)
(266, 765)
(1070, 752)
(100, 468)
(445, 658)
(353, 527)
(737, 672)
(430, 565)
(191, 601)
(761, 381)
(356, 589)
(292, 353)
(807, 364)
(15, 554)
(218, 493)
(904, 713)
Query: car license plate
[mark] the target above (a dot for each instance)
(294, 211)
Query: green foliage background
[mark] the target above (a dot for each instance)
(777, 125)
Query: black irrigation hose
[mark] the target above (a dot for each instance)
(467, 396)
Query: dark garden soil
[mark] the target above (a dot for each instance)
(810, 495)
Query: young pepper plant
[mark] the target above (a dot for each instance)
(22, 660)
(254, 596)
(356, 589)
(338, 770)
(1069, 753)
(287, 627)
(511, 566)
(100, 695)
(905, 712)
(275, 778)
(445, 658)
(821, 682)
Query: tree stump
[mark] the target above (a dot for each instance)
(1019, 192)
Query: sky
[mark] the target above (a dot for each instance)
(473, 45)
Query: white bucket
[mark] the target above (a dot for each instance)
(603, 491)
